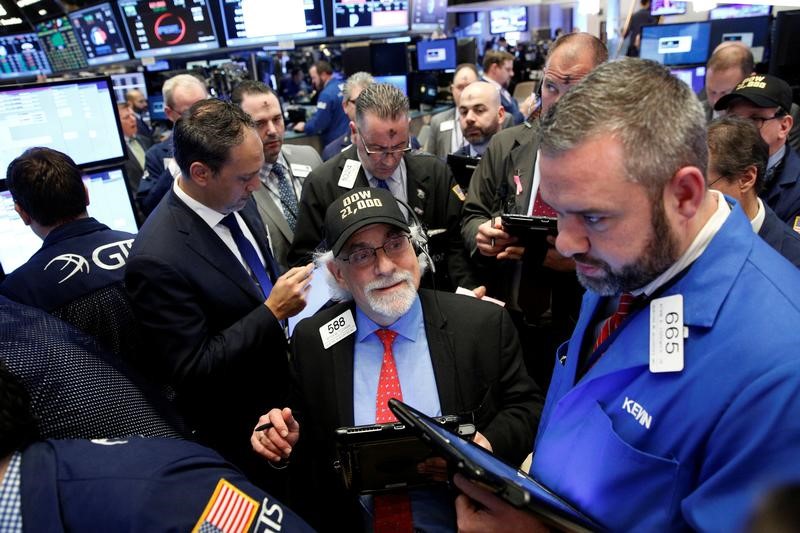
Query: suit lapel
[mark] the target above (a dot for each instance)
(267, 206)
(417, 185)
(343, 360)
(522, 160)
(250, 216)
(201, 239)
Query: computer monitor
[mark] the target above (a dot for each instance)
(356, 59)
(12, 21)
(109, 202)
(694, 77)
(369, 17)
(667, 7)
(401, 82)
(77, 117)
(167, 27)
(126, 82)
(388, 59)
(508, 19)
(784, 61)
(437, 55)
(676, 44)
(427, 15)
(61, 45)
(735, 11)
(467, 50)
(22, 56)
(753, 31)
(100, 34)
(249, 23)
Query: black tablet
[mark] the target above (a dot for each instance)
(462, 167)
(509, 483)
(523, 225)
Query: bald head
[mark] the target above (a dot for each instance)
(480, 112)
(466, 73)
(136, 99)
(731, 62)
(571, 58)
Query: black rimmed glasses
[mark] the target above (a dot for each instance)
(381, 153)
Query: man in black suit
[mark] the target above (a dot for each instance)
(447, 354)
(206, 289)
(736, 166)
(380, 157)
(136, 146)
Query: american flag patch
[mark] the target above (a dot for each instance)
(229, 510)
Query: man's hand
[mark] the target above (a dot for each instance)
(479, 292)
(276, 442)
(482, 441)
(481, 511)
(492, 241)
(554, 260)
(288, 296)
(300, 127)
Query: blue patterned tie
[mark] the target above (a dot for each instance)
(287, 195)
(382, 184)
(249, 253)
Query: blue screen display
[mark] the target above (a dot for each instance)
(436, 55)
(401, 82)
(676, 44)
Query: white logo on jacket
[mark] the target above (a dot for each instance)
(638, 412)
(109, 256)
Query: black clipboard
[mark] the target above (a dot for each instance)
(512, 485)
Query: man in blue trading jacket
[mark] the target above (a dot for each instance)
(678, 409)
(79, 255)
(329, 120)
(436, 359)
(737, 161)
(498, 69)
(766, 101)
(133, 484)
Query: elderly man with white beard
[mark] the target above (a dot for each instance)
(442, 353)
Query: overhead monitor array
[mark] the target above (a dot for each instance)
(368, 17)
(253, 22)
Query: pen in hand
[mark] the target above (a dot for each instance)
(264, 427)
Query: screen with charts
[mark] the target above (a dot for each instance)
(676, 44)
(109, 203)
(99, 34)
(694, 77)
(436, 55)
(165, 27)
(21, 56)
(427, 15)
(366, 17)
(60, 44)
(735, 11)
(508, 19)
(77, 117)
(250, 22)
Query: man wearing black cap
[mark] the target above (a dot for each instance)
(765, 101)
(394, 340)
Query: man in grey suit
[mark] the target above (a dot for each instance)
(285, 167)
(446, 136)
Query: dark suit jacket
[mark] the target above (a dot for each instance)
(783, 194)
(780, 236)
(430, 195)
(133, 169)
(157, 179)
(205, 328)
(477, 362)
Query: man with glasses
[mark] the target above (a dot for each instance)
(765, 101)
(425, 347)
(531, 282)
(381, 157)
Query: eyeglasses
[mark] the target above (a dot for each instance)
(393, 247)
(758, 122)
(380, 154)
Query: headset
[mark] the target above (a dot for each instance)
(420, 240)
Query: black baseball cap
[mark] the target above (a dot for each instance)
(357, 208)
(762, 90)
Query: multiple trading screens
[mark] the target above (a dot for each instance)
(109, 203)
(78, 118)
(253, 22)
(692, 42)
(508, 19)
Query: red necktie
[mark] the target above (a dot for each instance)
(392, 511)
(542, 209)
(624, 306)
